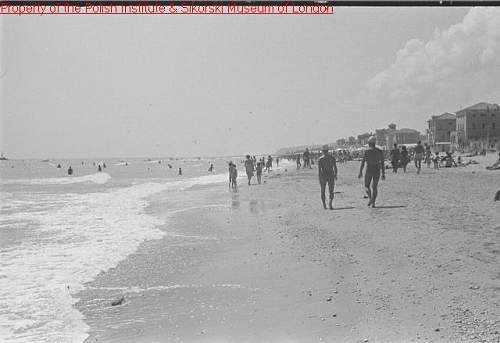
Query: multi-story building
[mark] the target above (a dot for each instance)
(440, 128)
(363, 139)
(381, 136)
(403, 136)
(478, 126)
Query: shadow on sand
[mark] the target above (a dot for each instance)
(394, 206)
(343, 208)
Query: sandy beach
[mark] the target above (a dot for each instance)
(268, 264)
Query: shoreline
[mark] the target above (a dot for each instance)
(268, 264)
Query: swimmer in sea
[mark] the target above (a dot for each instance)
(180, 171)
(327, 167)
(70, 171)
(374, 160)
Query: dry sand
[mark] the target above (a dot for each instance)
(268, 264)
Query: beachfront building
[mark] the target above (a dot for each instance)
(402, 136)
(478, 126)
(381, 135)
(440, 128)
(363, 139)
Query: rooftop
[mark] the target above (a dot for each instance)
(444, 116)
(482, 106)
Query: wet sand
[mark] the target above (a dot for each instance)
(269, 264)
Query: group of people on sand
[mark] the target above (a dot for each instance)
(422, 153)
(252, 167)
(401, 158)
(308, 159)
(373, 159)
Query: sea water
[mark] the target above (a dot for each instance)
(58, 232)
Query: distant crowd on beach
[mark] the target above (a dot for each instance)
(373, 158)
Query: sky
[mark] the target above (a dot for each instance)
(158, 86)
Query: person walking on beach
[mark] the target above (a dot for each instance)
(298, 161)
(404, 159)
(395, 157)
(258, 170)
(327, 173)
(277, 161)
(307, 159)
(419, 155)
(249, 168)
(269, 163)
(374, 160)
(428, 155)
(436, 160)
(230, 168)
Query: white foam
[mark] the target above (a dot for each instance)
(88, 233)
(99, 178)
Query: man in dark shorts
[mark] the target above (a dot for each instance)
(327, 167)
(374, 160)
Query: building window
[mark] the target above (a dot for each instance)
(474, 126)
(493, 125)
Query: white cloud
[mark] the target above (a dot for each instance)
(463, 59)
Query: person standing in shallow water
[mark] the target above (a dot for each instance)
(374, 160)
(249, 168)
(327, 169)
(258, 170)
